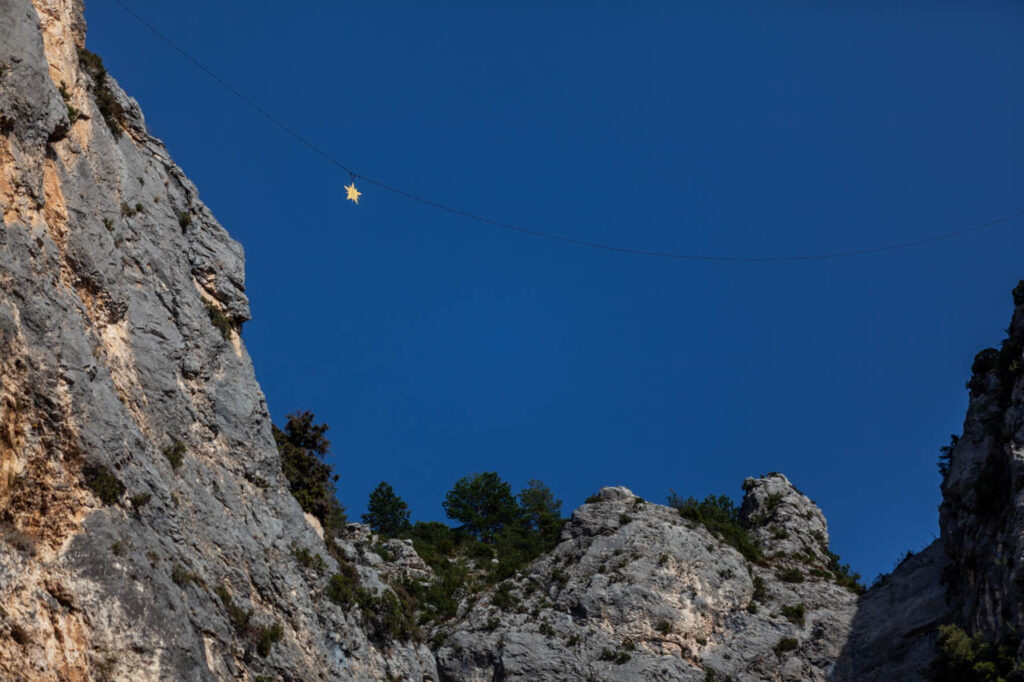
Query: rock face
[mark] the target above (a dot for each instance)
(973, 575)
(121, 302)
(636, 592)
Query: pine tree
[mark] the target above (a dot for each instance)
(386, 512)
(302, 447)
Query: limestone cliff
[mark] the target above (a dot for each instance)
(634, 591)
(148, 533)
(973, 575)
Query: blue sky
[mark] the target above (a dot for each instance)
(435, 347)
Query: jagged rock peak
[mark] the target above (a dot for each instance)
(636, 591)
(783, 518)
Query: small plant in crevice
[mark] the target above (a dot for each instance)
(308, 559)
(181, 576)
(263, 637)
(66, 96)
(141, 500)
(794, 614)
(219, 320)
(790, 575)
(175, 454)
(785, 644)
(266, 636)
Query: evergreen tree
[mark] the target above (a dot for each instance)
(541, 512)
(386, 512)
(483, 503)
(302, 447)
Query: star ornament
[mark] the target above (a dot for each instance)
(353, 193)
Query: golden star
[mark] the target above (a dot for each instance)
(353, 193)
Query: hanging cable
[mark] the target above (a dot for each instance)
(536, 233)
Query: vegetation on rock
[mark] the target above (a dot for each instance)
(722, 519)
(302, 447)
(386, 512)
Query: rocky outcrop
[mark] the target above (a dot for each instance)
(147, 530)
(636, 591)
(973, 575)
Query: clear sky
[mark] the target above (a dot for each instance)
(436, 347)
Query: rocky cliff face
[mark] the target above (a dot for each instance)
(147, 530)
(973, 575)
(634, 591)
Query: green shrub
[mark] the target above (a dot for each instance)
(308, 559)
(238, 617)
(106, 101)
(503, 597)
(141, 500)
(184, 220)
(965, 658)
(785, 644)
(546, 630)
(266, 637)
(175, 454)
(664, 627)
(219, 320)
(596, 497)
(760, 589)
(794, 614)
(383, 616)
(790, 575)
(181, 576)
(109, 224)
(842, 574)
(721, 518)
(103, 483)
(343, 588)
